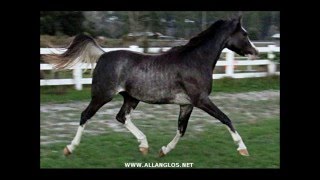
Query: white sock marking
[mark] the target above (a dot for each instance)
(76, 140)
(172, 144)
(142, 139)
(237, 139)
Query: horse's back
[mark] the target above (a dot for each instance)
(113, 68)
(123, 64)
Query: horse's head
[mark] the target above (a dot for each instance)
(239, 41)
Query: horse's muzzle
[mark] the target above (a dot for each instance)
(253, 51)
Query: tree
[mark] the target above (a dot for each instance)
(114, 24)
(61, 22)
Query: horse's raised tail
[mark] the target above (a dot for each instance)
(83, 49)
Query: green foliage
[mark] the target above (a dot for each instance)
(260, 24)
(277, 57)
(265, 56)
(247, 84)
(61, 22)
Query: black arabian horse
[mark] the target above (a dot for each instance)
(182, 75)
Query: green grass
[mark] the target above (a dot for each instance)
(63, 94)
(49, 74)
(228, 85)
(212, 148)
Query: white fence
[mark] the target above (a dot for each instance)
(229, 64)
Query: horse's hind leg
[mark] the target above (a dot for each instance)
(185, 112)
(95, 104)
(123, 116)
(208, 106)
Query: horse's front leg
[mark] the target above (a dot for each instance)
(185, 112)
(205, 104)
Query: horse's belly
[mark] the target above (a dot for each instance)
(164, 97)
(181, 98)
(157, 94)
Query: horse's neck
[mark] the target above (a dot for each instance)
(210, 52)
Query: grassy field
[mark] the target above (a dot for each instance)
(67, 93)
(212, 148)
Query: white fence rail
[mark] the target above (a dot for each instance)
(229, 64)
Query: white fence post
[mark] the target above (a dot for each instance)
(77, 76)
(271, 55)
(250, 58)
(229, 61)
(271, 66)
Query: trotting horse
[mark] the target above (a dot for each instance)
(182, 76)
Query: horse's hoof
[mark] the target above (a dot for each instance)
(243, 152)
(144, 150)
(161, 153)
(66, 151)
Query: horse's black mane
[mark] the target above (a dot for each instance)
(200, 38)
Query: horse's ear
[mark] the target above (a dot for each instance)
(236, 22)
(237, 18)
